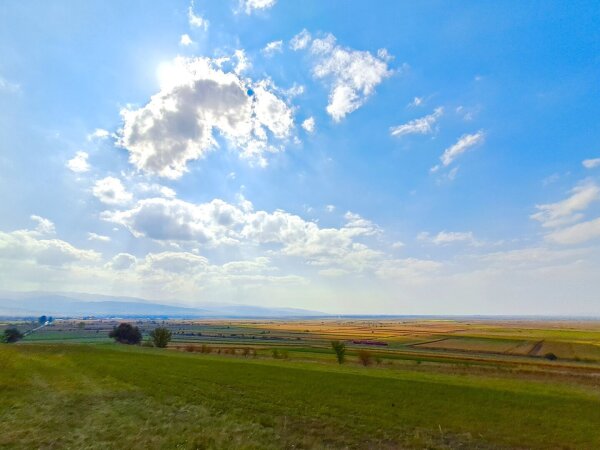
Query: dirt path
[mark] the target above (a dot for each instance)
(536, 348)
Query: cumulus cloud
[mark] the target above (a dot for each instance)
(591, 163)
(250, 6)
(309, 125)
(185, 40)
(465, 142)
(111, 191)
(122, 261)
(423, 125)
(300, 41)
(220, 223)
(273, 47)
(43, 225)
(352, 74)
(79, 163)
(196, 99)
(177, 220)
(195, 20)
(568, 210)
(28, 245)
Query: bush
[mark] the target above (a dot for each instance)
(280, 354)
(551, 356)
(11, 335)
(161, 336)
(205, 349)
(365, 357)
(126, 333)
(340, 351)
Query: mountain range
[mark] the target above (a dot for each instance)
(67, 304)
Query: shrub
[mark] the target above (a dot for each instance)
(190, 348)
(126, 333)
(551, 356)
(365, 357)
(11, 335)
(280, 354)
(161, 336)
(340, 351)
(148, 343)
(205, 349)
(378, 360)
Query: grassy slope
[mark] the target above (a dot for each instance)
(103, 396)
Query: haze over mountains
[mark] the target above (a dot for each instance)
(66, 304)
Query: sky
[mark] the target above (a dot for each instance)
(348, 157)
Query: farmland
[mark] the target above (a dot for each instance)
(276, 384)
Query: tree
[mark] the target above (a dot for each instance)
(365, 357)
(126, 333)
(11, 335)
(160, 336)
(340, 351)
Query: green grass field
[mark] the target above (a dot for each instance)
(112, 396)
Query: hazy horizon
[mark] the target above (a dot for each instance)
(390, 158)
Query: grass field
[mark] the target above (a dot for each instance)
(432, 384)
(109, 396)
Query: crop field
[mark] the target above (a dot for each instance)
(276, 384)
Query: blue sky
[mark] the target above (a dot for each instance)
(353, 157)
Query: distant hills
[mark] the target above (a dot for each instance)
(27, 304)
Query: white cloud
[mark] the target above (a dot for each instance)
(98, 133)
(591, 163)
(122, 261)
(576, 234)
(273, 47)
(197, 98)
(220, 223)
(352, 74)
(7, 86)
(300, 41)
(177, 262)
(185, 40)
(309, 125)
(417, 101)
(26, 245)
(422, 125)
(465, 142)
(398, 245)
(194, 20)
(44, 226)
(98, 237)
(79, 163)
(448, 237)
(330, 208)
(172, 219)
(111, 191)
(568, 210)
(155, 189)
(249, 6)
